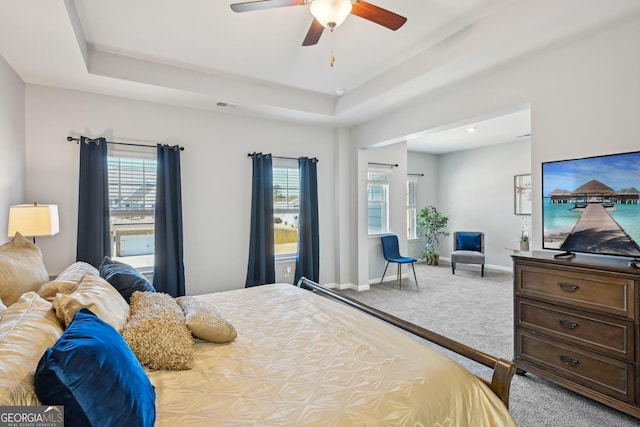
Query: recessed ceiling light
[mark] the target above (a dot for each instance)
(340, 91)
(471, 129)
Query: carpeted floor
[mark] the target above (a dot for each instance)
(479, 312)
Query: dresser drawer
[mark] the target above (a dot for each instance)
(609, 376)
(602, 292)
(610, 336)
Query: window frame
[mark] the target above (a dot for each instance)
(148, 158)
(412, 209)
(292, 164)
(384, 183)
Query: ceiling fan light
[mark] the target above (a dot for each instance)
(330, 12)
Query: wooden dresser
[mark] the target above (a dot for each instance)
(576, 324)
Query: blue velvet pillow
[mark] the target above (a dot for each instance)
(96, 376)
(469, 242)
(124, 278)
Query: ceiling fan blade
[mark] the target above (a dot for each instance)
(264, 4)
(376, 14)
(314, 33)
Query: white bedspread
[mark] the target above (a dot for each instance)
(302, 360)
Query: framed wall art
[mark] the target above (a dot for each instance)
(522, 194)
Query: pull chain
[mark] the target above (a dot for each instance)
(333, 56)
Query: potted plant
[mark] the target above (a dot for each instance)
(524, 235)
(433, 223)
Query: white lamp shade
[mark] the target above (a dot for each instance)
(331, 12)
(33, 220)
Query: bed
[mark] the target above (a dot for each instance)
(302, 355)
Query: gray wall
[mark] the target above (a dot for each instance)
(475, 190)
(584, 97)
(426, 191)
(12, 145)
(216, 175)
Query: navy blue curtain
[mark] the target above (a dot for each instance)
(93, 202)
(308, 256)
(168, 269)
(261, 269)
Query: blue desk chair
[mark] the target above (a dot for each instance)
(391, 252)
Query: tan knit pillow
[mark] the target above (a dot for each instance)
(205, 320)
(21, 269)
(156, 332)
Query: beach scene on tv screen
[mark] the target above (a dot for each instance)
(593, 204)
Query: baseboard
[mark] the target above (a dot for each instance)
(353, 286)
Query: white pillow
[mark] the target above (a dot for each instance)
(96, 294)
(76, 271)
(27, 328)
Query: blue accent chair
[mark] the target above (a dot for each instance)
(468, 248)
(391, 252)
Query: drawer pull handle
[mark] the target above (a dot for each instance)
(569, 361)
(567, 324)
(568, 287)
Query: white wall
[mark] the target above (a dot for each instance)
(216, 174)
(391, 154)
(12, 160)
(475, 190)
(584, 97)
(426, 191)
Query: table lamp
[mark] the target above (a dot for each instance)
(33, 220)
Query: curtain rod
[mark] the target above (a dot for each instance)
(281, 157)
(415, 174)
(70, 138)
(395, 165)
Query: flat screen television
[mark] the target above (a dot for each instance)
(592, 205)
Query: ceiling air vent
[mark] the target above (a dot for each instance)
(226, 105)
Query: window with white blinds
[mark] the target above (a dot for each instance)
(378, 201)
(132, 202)
(412, 229)
(286, 206)
(132, 185)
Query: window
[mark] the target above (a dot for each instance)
(132, 202)
(412, 229)
(286, 193)
(378, 202)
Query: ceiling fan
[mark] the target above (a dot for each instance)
(329, 14)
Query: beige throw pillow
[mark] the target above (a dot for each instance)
(156, 332)
(96, 294)
(27, 328)
(21, 269)
(205, 320)
(49, 290)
